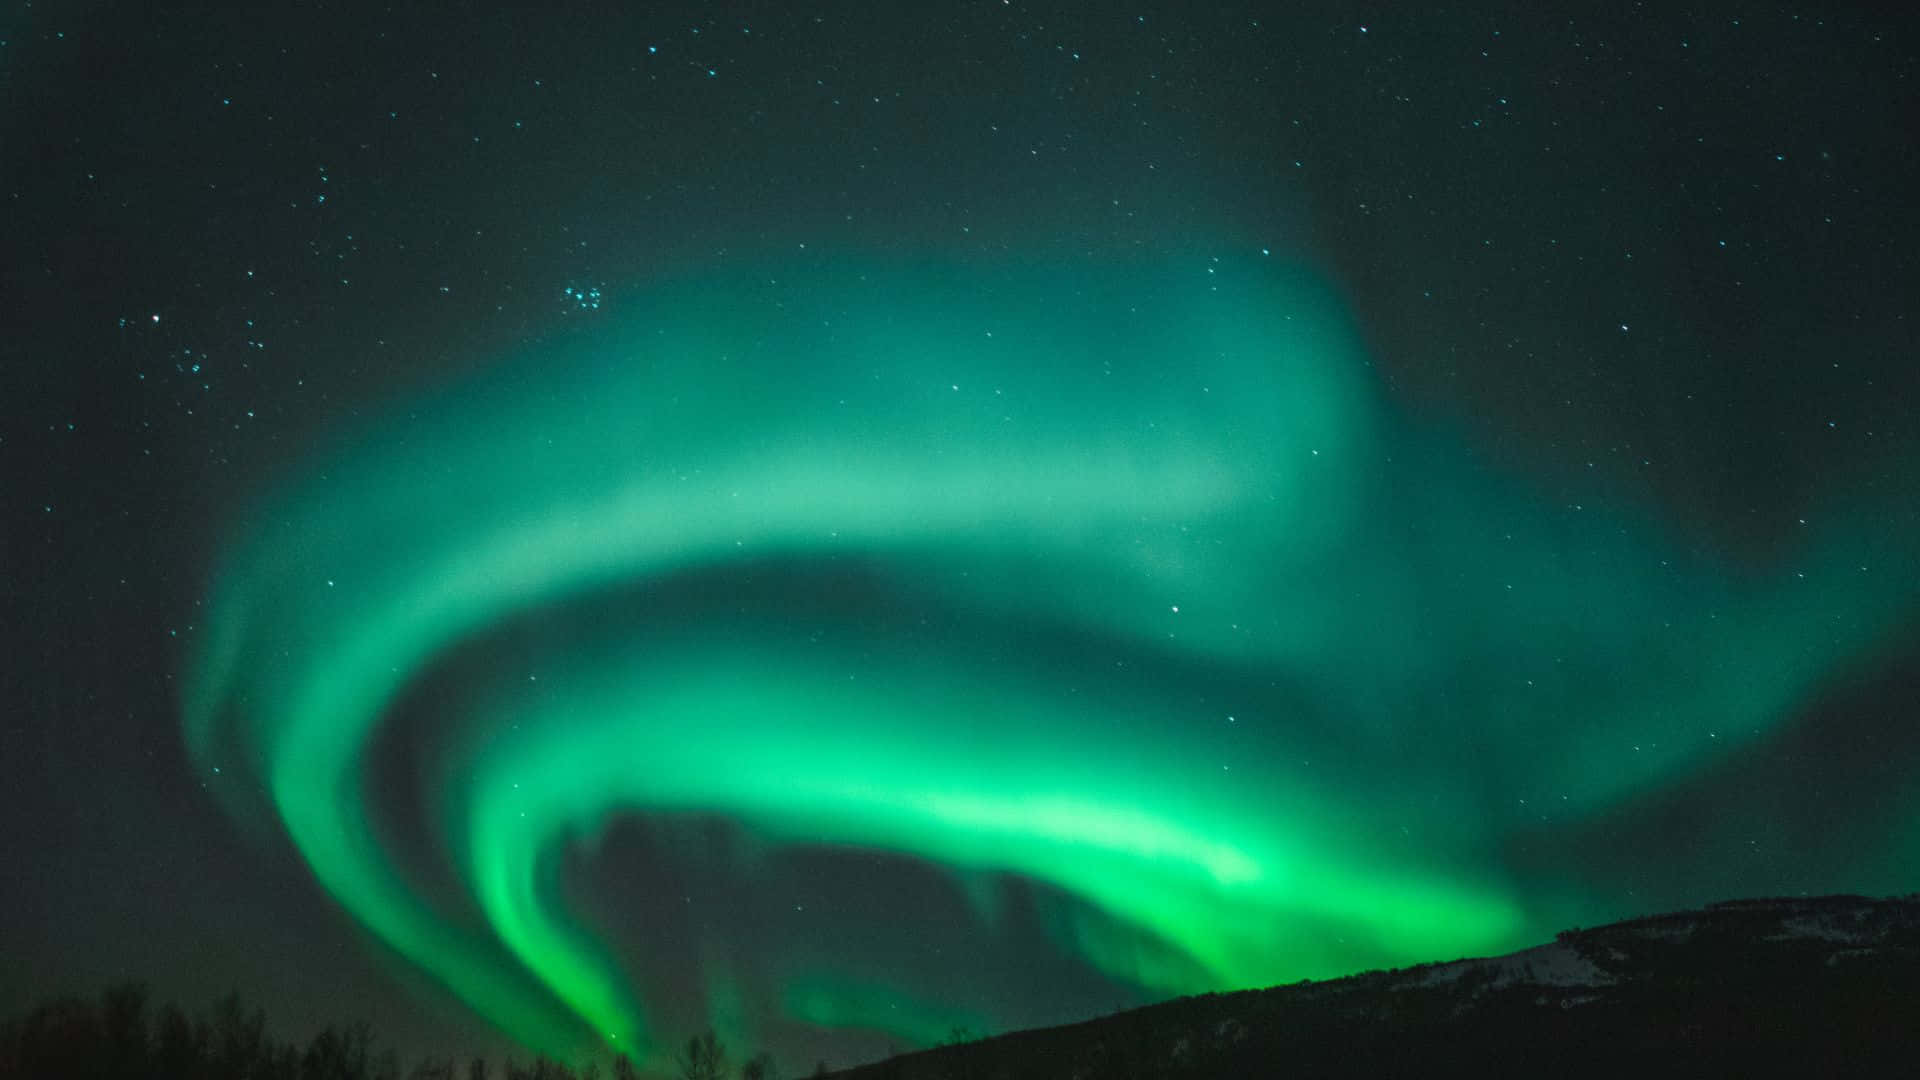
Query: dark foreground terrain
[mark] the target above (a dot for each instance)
(1828, 986)
(1809, 987)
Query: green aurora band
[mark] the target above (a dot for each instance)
(1120, 580)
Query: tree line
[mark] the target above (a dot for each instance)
(121, 1035)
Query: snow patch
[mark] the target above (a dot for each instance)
(1552, 964)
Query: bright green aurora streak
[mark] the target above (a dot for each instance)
(1120, 580)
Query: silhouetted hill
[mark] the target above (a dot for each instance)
(1812, 987)
(1805, 987)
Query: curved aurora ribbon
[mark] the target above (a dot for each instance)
(1053, 527)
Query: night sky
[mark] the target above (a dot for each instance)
(553, 531)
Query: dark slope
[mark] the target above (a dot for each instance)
(1824, 986)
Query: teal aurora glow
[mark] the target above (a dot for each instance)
(1127, 580)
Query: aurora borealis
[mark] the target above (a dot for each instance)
(552, 534)
(1069, 575)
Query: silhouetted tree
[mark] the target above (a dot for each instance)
(703, 1059)
(623, 1069)
(59, 1038)
(759, 1067)
(429, 1069)
(543, 1068)
(338, 1054)
(238, 1039)
(387, 1065)
(123, 1024)
(176, 1048)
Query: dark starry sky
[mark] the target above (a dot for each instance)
(1662, 266)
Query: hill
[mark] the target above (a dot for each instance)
(1822, 986)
